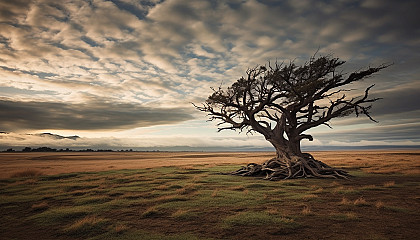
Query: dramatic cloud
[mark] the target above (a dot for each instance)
(401, 99)
(89, 116)
(149, 59)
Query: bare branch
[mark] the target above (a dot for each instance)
(291, 98)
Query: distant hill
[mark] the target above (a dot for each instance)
(56, 136)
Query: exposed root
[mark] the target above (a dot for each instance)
(296, 167)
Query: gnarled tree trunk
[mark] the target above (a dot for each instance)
(290, 162)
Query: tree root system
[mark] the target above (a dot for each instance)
(295, 167)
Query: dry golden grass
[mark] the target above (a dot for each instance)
(318, 190)
(56, 163)
(371, 186)
(88, 220)
(398, 161)
(186, 189)
(179, 213)
(40, 206)
(379, 204)
(120, 228)
(272, 211)
(351, 215)
(151, 211)
(162, 187)
(345, 201)
(309, 196)
(215, 193)
(197, 179)
(389, 184)
(386, 161)
(237, 188)
(306, 210)
(360, 202)
(334, 184)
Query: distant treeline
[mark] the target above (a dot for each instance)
(48, 149)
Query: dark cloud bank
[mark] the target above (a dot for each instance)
(90, 116)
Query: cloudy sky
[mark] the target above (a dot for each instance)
(123, 73)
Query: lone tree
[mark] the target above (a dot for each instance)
(283, 101)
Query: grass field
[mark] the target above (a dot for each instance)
(182, 196)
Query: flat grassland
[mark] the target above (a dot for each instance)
(181, 195)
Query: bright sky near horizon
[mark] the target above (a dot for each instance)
(123, 73)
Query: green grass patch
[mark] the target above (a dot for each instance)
(139, 234)
(120, 180)
(173, 177)
(258, 219)
(77, 187)
(170, 198)
(151, 212)
(214, 198)
(371, 188)
(117, 203)
(18, 189)
(21, 198)
(162, 171)
(398, 209)
(96, 199)
(343, 217)
(222, 180)
(257, 186)
(302, 196)
(131, 188)
(174, 187)
(59, 177)
(223, 168)
(53, 216)
(182, 214)
(346, 190)
(192, 171)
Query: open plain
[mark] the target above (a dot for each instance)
(47, 163)
(181, 195)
